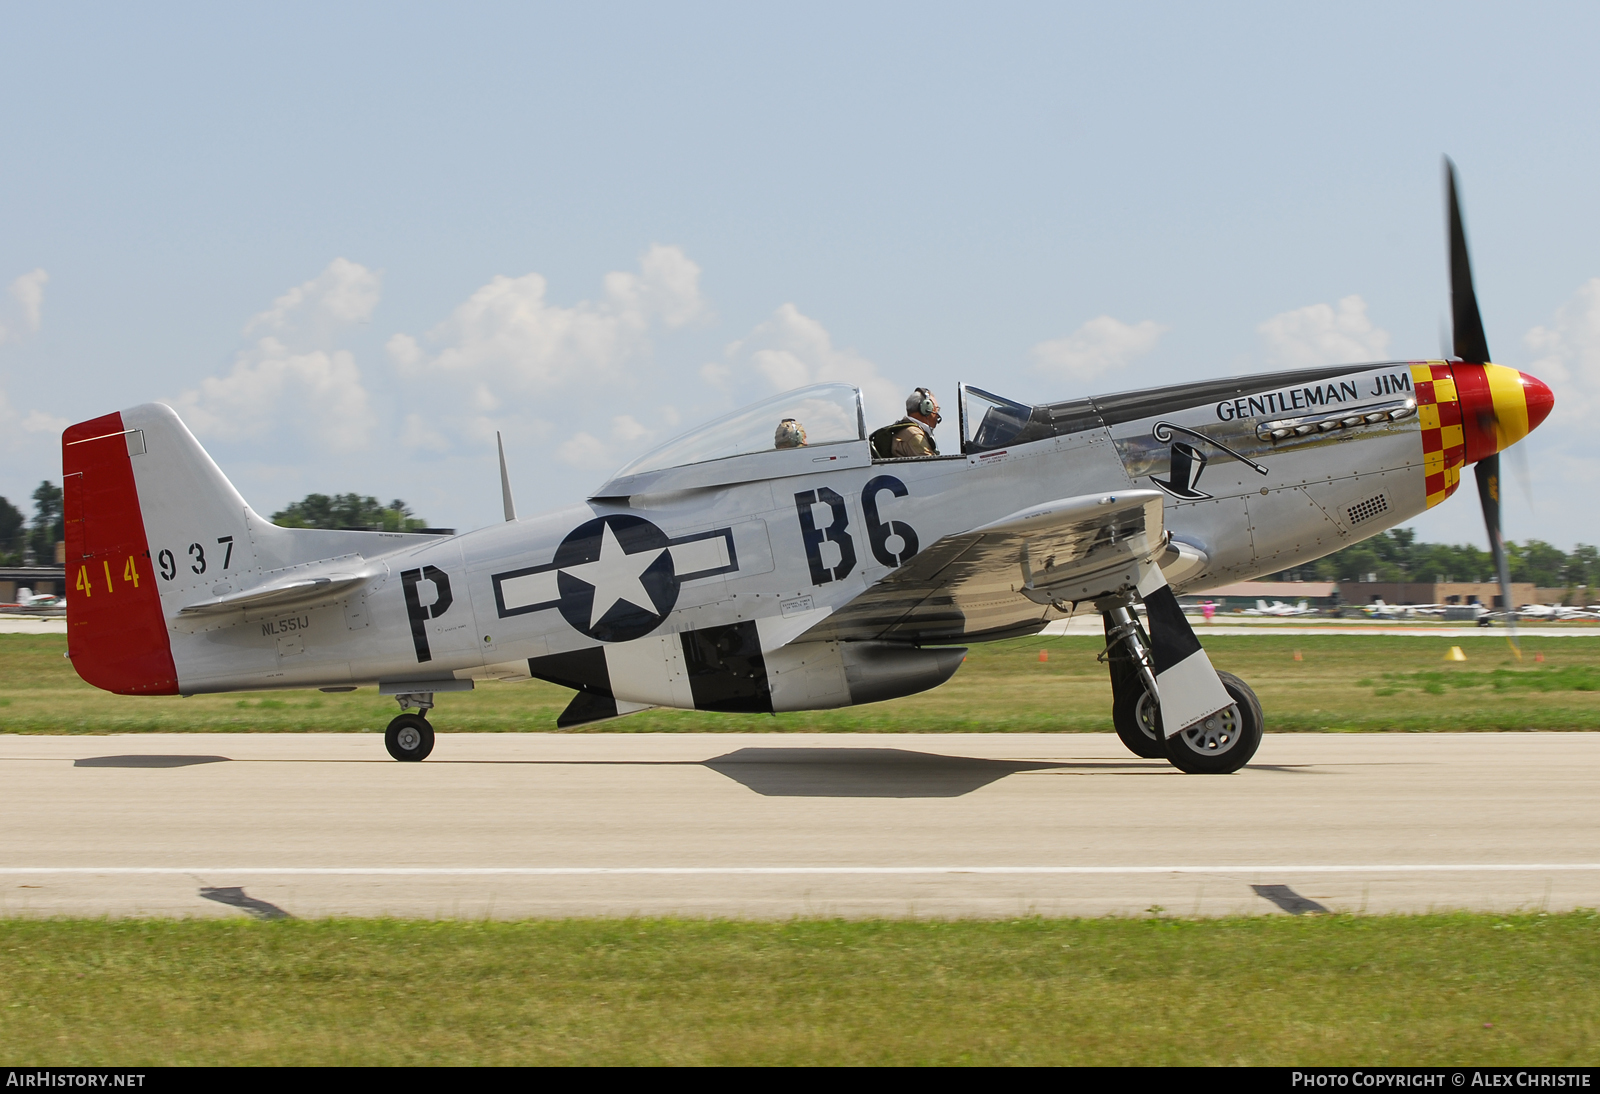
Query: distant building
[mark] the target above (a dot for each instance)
(43, 580)
(1244, 594)
(1486, 593)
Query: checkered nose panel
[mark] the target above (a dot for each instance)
(1444, 451)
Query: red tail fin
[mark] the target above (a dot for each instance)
(116, 636)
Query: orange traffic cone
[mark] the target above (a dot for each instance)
(1044, 655)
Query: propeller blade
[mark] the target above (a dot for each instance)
(1470, 343)
(1488, 472)
(1519, 462)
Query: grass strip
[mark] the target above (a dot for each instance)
(1339, 683)
(1441, 990)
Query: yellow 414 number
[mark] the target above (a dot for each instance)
(130, 572)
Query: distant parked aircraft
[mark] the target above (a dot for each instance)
(29, 601)
(1555, 612)
(1278, 607)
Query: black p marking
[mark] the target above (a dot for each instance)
(420, 613)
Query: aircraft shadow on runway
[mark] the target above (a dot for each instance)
(148, 761)
(863, 772)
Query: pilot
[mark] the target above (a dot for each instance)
(789, 434)
(913, 434)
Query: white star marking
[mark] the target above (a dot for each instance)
(615, 576)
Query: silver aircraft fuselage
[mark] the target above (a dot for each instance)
(785, 540)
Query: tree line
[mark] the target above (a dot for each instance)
(348, 511)
(1396, 555)
(32, 542)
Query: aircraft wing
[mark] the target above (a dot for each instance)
(1002, 578)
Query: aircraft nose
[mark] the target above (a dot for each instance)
(1540, 400)
(1499, 406)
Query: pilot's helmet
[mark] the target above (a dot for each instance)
(789, 434)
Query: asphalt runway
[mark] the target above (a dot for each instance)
(762, 825)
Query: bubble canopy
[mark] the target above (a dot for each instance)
(829, 414)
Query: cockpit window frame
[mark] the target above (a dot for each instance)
(963, 390)
(641, 464)
(758, 462)
(1040, 421)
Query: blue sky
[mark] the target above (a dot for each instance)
(349, 242)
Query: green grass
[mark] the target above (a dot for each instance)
(1343, 683)
(1569, 678)
(1480, 989)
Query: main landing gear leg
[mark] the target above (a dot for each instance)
(1134, 711)
(410, 737)
(1218, 744)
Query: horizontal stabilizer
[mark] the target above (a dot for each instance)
(294, 593)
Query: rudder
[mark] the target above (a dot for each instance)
(116, 636)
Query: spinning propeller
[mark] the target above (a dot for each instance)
(1499, 405)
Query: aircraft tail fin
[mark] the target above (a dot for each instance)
(153, 526)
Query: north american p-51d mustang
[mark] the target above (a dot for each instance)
(725, 572)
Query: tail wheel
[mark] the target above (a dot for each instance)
(1224, 742)
(409, 737)
(1137, 719)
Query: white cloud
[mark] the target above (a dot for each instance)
(343, 294)
(719, 376)
(1097, 347)
(508, 334)
(404, 351)
(316, 397)
(625, 428)
(585, 450)
(1319, 335)
(792, 350)
(417, 434)
(1568, 353)
(28, 292)
(288, 386)
(14, 428)
(38, 421)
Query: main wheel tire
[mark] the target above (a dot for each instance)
(409, 737)
(1137, 719)
(1224, 742)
